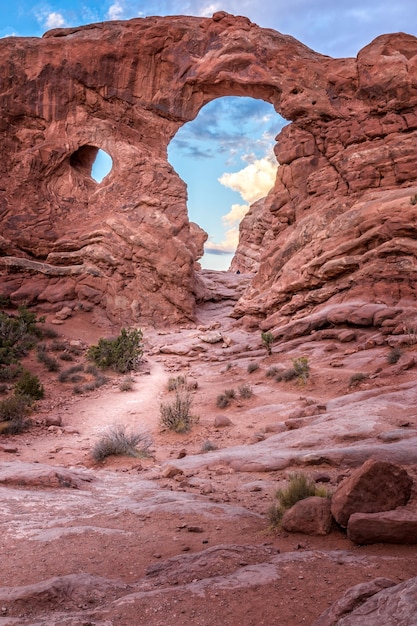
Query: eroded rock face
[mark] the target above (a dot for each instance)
(337, 228)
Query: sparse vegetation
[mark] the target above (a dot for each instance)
(126, 384)
(176, 415)
(66, 375)
(413, 199)
(394, 355)
(245, 391)
(18, 334)
(300, 369)
(208, 446)
(50, 362)
(118, 442)
(267, 341)
(13, 414)
(272, 371)
(175, 382)
(29, 386)
(121, 354)
(252, 367)
(357, 378)
(299, 487)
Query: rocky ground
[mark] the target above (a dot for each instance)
(184, 537)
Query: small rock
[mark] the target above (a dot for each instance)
(170, 471)
(221, 421)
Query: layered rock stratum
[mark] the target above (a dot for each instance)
(337, 231)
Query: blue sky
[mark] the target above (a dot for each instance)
(232, 138)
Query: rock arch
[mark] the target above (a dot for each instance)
(126, 87)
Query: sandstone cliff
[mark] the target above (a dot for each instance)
(338, 229)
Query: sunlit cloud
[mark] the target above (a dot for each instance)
(207, 11)
(116, 11)
(253, 181)
(54, 20)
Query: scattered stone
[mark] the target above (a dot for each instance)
(53, 420)
(375, 486)
(170, 471)
(397, 526)
(310, 516)
(222, 421)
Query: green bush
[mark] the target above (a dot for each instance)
(13, 414)
(29, 385)
(118, 442)
(267, 341)
(18, 334)
(121, 354)
(299, 487)
(176, 415)
(301, 368)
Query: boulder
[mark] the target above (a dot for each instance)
(310, 516)
(397, 526)
(375, 486)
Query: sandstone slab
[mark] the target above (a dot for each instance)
(397, 526)
(376, 486)
(310, 516)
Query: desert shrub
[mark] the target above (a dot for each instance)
(394, 355)
(67, 374)
(299, 487)
(302, 368)
(252, 367)
(413, 199)
(208, 446)
(3, 388)
(13, 414)
(357, 378)
(18, 334)
(230, 393)
(118, 442)
(175, 382)
(176, 415)
(50, 362)
(30, 386)
(48, 332)
(10, 372)
(245, 391)
(272, 371)
(58, 346)
(66, 356)
(126, 384)
(286, 375)
(222, 401)
(121, 354)
(267, 341)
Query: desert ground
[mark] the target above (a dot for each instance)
(183, 536)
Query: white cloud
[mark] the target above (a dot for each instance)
(235, 215)
(253, 181)
(209, 10)
(54, 20)
(231, 222)
(116, 11)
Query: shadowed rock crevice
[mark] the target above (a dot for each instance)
(337, 228)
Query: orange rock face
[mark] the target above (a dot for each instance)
(337, 228)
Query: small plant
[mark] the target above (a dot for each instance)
(49, 333)
(267, 341)
(126, 384)
(176, 415)
(272, 371)
(50, 362)
(13, 414)
(30, 386)
(252, 367)
(245, 391)
(394, 355)
(176, 382)
(299, 487)
(66, 356)
(122, 353)
(208, 446)
(286, 375)
(66, 375)
(413, 199)
(357, 378)
(223, 400)
(301, 368)
(118, 442)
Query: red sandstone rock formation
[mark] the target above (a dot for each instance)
(338, 228)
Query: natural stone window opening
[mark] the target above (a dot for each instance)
(92, 161)
(228, 137)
